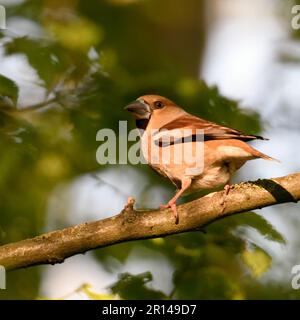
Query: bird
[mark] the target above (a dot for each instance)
(165, 126)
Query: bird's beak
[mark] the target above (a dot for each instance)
(139, 109)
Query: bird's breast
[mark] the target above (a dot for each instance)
(212, 177)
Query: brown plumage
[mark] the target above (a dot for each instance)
(168, 127)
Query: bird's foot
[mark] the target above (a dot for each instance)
(225, 194)
(173, 207)
(164, 206)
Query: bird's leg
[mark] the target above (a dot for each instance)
(185, 184)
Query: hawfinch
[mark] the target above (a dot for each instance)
(215, 152)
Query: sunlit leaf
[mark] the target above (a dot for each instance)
(86, 288)
(158, 241)
(79, 34)
(257, 260)
(188, 252)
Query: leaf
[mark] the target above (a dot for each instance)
(259, 223)
(134, 287)
(120, 252)
(248, 219)
(40, 55)
(8, 88)
(207, 282)
(86, 288)
(257, 260)
(79, 34)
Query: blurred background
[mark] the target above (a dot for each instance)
(67, 69)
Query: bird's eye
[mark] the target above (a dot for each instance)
(158, 104)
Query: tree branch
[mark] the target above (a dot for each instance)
(130, 224)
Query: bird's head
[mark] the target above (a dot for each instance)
(152, 106)
(146, 106)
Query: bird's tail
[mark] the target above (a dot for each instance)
(261, 155)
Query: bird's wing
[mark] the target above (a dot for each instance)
(211, 130)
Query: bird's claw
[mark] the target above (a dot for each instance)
(227, 189)
(173, 207)
(164, 206)
(225, 194)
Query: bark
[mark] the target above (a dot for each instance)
(130, 224)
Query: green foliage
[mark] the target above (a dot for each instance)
(86, 288)
(257, 260)
(91, 62)
(257, 222)
(8, 89)
(135, 287)
(87, 291)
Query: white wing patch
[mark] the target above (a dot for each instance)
(234, 152)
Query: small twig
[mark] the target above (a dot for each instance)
(38, 105)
